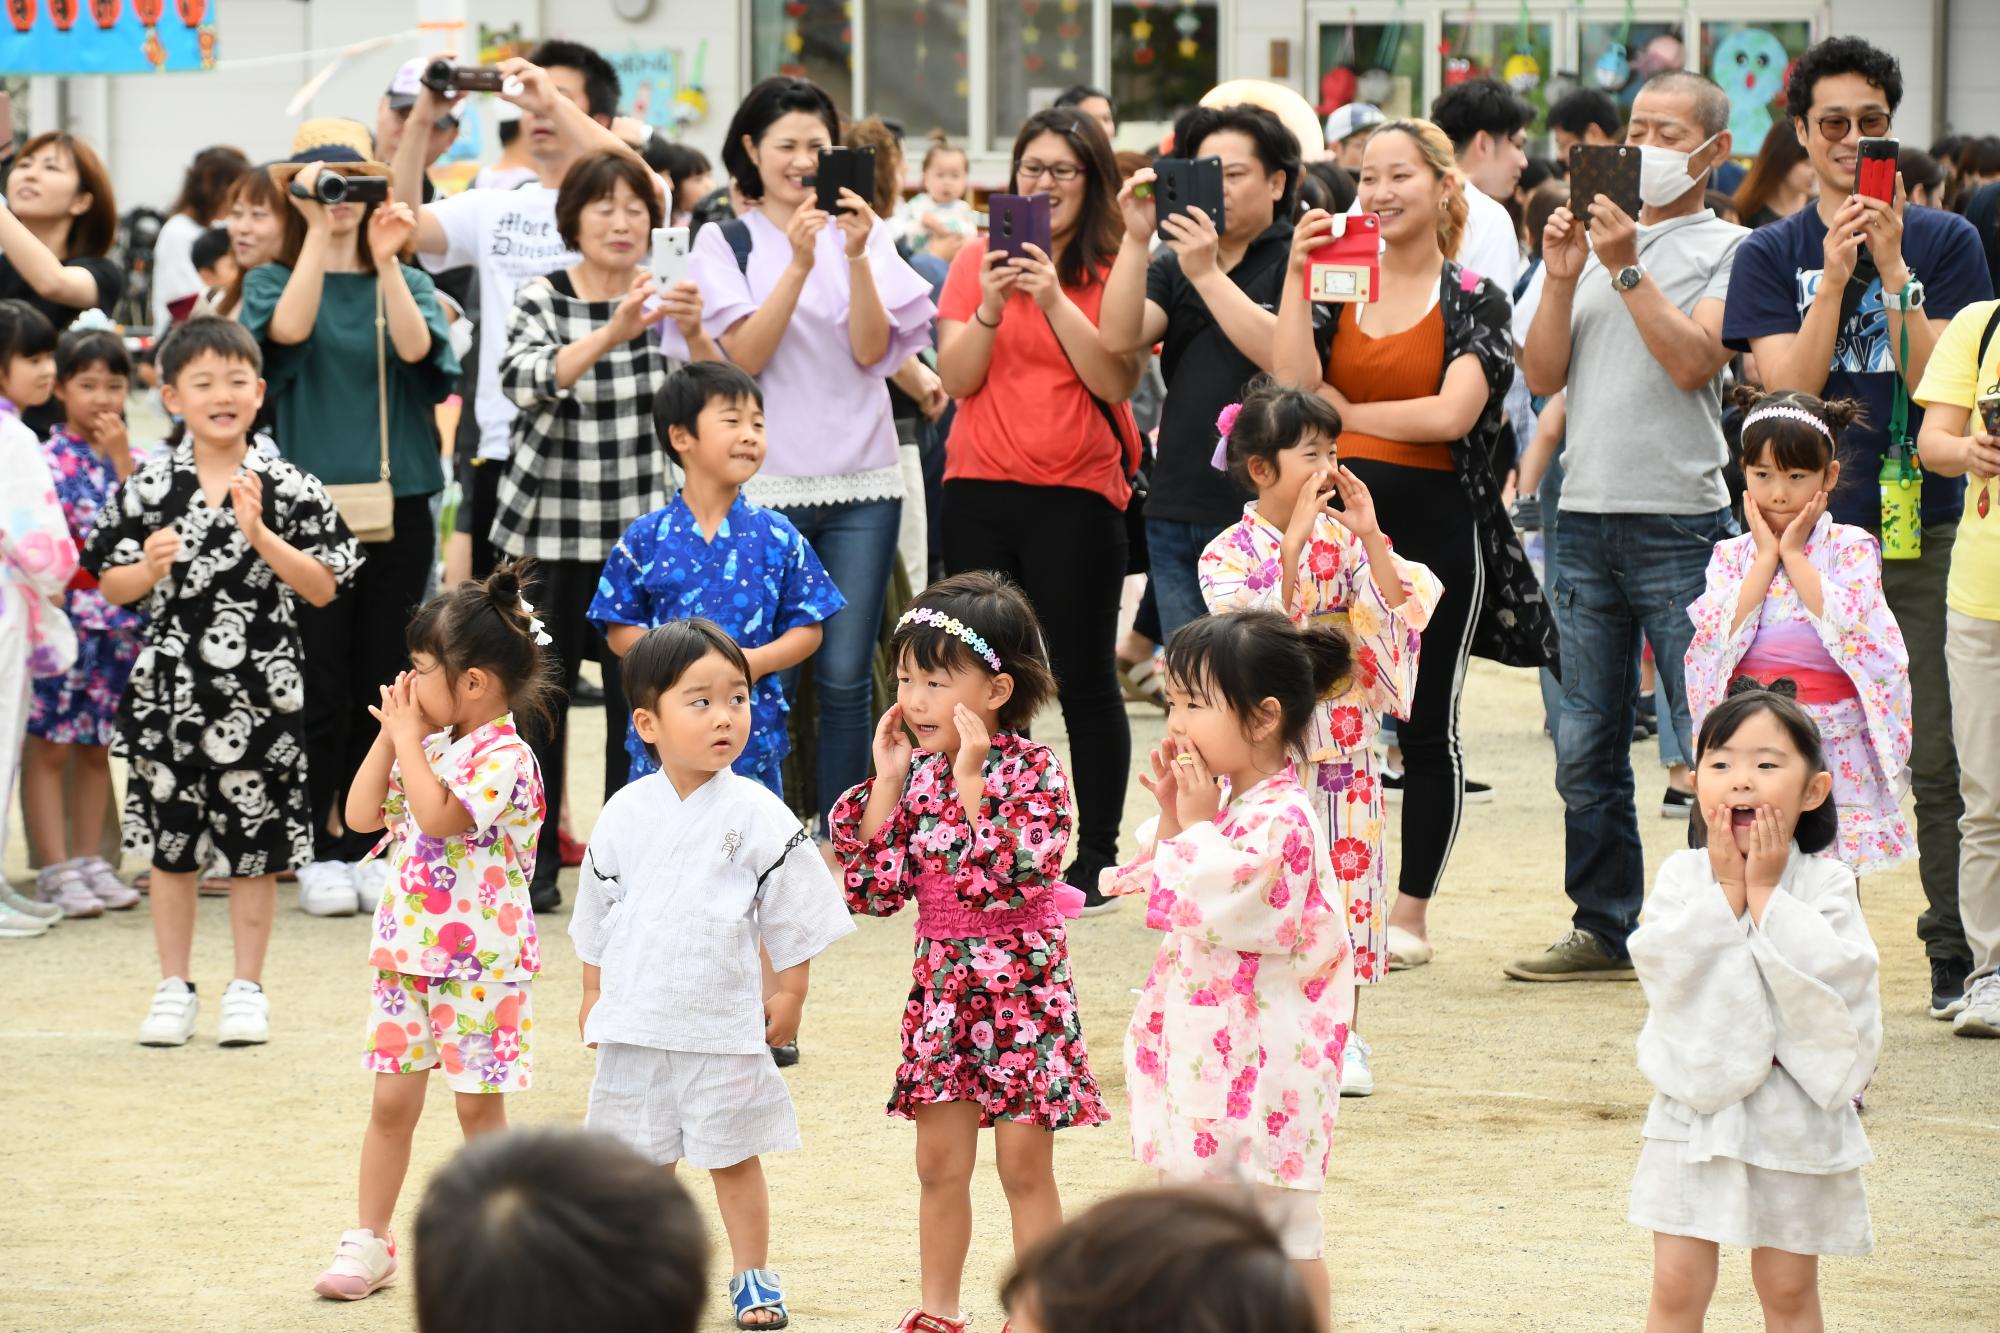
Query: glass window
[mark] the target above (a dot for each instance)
(1163, 58)
(1520, 55)
(1617, 57)
(1379, 63)
(807, 39)
(916, 64)
(1750, 61)
(1039, 48)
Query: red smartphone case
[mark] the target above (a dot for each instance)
(1875, 170)
(1348, 267)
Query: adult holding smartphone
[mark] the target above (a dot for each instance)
(1037, 469)
(57, 223)
(821, 310)
(345, 389)
(1420, 379)
(580, 367)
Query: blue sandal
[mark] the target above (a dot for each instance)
(757, 1289)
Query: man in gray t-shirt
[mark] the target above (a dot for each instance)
(1630, 324)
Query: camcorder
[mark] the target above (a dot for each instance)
(441, 76)
(333, 188)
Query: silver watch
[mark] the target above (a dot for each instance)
(1625, 279)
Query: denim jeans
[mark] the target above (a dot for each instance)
(1618, 576)
(855, 541)
(1174, 548)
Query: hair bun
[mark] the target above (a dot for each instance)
(1784, 687)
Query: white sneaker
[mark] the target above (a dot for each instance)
(1356, 1078)
(1981, 1015)
(326, 888)
(18, 902)
(246, 1015)
(371, 880)
(170, 1022)
(363, 1263)
(18, 925)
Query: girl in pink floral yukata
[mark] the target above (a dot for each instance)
(1234, 1054)
(971, 823)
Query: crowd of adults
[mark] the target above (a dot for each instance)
(908, 371)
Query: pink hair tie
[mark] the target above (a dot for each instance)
(1225, 422)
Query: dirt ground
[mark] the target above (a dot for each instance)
(1482, 1187)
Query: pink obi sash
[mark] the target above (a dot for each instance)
(1793, 649)
(941, 916)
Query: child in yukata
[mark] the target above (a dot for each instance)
(217, 540)
(712, 553)
(693, 871)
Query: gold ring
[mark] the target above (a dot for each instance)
(1184, 759)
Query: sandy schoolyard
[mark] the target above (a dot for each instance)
(1483, 1187)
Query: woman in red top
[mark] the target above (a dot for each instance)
(1036, 472)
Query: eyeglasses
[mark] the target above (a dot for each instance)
(1062, 173)
(1834, 128)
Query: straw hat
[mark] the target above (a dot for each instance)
(340, 145)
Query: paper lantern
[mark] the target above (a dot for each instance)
(62, 13)
(191, 11)
(105, 12)
(22, 14)
(1522, 72)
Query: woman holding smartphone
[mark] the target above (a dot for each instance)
(1037, 474)
(821, 309)
(1420, 378)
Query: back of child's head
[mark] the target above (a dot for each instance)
(1239, 659)
(656, 663)
(209, 247)
(487, 625)
(207, 334)
(955, 623)
(1183, 1260)
(25, 332)
(83, 349)
(1793, 430)
(692, 388)
(1272, 418)
(538, 1229)
(1819, 826)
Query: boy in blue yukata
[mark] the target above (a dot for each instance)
(712, 553)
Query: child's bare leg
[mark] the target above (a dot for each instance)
(90, 793)
(947, 1146)
(481, 1113)
(1319, 1289)
(253, 901)
(173, 920)
(385, 1147)
(1788, 1288)
(745, 1204)
(1027, 1161)
(1683, 1280)
(458, 555)
(42, 793)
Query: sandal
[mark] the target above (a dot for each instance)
(756, 1289)
(1141, 682)
(922, 1321)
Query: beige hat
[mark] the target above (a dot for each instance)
(338, 144)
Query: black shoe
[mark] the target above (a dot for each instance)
(1947, 987)
(1095, 903)
(1676, 804)
(1478, 793)
(1647, 719)
(545, 898)
(784, 1057)
(587, 694)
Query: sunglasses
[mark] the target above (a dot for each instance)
(1833, 129)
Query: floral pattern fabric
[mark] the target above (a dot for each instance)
(477, 1030)
(992, 1015)
(1233, 1057)
(37, 554)
(457, 907)
(1241, 568)
(757, 577)
(1867, 738)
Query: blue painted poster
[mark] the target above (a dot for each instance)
(107, 36)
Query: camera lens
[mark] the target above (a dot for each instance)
(331, 187)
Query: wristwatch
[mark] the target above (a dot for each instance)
(1910, 298)
(1625, 279)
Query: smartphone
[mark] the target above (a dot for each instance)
(670, 256)
(1018, 220)
(1875, 169)
(1185, 183)
(1349, 265)
(853, 168)
(1611, 170)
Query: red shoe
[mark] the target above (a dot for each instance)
(569, 849)
(920, 1321)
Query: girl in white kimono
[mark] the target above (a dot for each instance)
(1764, 1021)
(1233, 1058)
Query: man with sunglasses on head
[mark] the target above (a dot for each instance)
(1824, 300)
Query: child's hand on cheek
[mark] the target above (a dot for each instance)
(974, 741)
(1770, 850)
(1724, 858)
(1164, 789)
(1196, 797)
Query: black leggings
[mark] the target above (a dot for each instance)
(353, 646)
(1427, 517)
(561, 592)
(1066, 548)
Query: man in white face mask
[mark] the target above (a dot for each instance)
(1630, 325)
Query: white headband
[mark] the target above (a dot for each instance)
(1789, 413)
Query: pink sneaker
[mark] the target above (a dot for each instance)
(103, 881)
(64, 886)
(362, 1264)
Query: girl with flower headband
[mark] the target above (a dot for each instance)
(1800, 595)
(1309, 546)
(971, 822)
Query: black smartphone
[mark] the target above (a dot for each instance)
(852, 168)
(1017, 220)
(1610, 169)
(1185, 183)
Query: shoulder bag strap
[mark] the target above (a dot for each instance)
(1137, 449)
(382, 378)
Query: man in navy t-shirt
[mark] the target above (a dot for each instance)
(1823, 299)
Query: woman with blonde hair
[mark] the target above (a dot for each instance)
(1420, 378)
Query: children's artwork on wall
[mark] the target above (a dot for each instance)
(1750, 64)
(660, 89)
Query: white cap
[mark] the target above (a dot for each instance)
(403, 89)
(1350, 120)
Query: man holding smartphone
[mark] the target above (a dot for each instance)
(1630, 324)
(1824, 300)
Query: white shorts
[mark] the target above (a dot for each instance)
(707, 1110)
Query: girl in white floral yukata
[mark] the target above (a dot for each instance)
(1233, 1057)
(1309, 546)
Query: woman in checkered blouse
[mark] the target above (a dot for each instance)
(582, 363)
